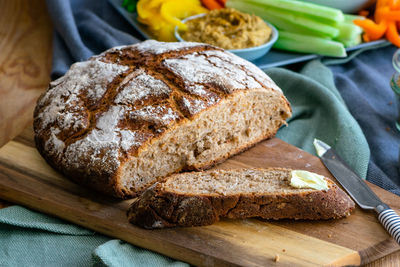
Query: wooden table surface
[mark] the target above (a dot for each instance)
(25, 64)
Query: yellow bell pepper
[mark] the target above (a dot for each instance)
(162, 16)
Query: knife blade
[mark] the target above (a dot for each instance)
(358, 189)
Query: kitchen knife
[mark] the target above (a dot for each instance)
(358, 189)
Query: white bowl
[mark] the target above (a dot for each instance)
(347, 6)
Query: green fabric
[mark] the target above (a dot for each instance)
(116, 253)
(320, 112)
(353, 54)
(22, 217)
(28, 238)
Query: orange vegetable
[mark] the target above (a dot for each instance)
(382, 3)
(395, 5)
(211, 4)
(386, 22)
(372, 30)
(363, 13)
(392, 34)
(222, 2)
(388, 14)
(379, 13)
(366, 38)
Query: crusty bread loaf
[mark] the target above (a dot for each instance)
(201, 198)
(135, 114)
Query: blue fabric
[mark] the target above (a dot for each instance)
(364, 85)
(320, 112)
(83, 29)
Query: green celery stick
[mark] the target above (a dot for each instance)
(350, 17)
(286, 20)
(324, 12)
(309, 44)
(351, 42)
(348, 31)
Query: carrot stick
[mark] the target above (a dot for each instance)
(363, 13)
(387, 22)
(373, 30)
(222, 2)
(392, 34)
(388, 14)
(366, 38)
(211, 4)
(380, 6)
(382, 3)
(394, 4)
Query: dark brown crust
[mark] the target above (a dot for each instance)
(106, 180)
(158, 209)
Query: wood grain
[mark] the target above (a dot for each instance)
(25, 61)
(26, 179)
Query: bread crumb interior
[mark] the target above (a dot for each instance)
(232, 182)
(217, 132)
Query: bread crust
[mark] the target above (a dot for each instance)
(108, 109)
(157, 208)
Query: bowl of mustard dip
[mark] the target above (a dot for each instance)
(245, 35)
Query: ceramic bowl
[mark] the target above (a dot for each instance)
(347, 6)
(250, 53)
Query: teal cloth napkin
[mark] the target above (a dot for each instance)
(28, 238)
(320, 112)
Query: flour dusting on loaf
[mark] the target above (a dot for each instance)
(140, 87)
(135, 114)
(155, 47)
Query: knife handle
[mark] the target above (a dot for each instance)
(390, 220)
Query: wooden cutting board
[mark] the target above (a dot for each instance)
(26, 179)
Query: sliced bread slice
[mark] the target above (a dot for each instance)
(201, 198)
